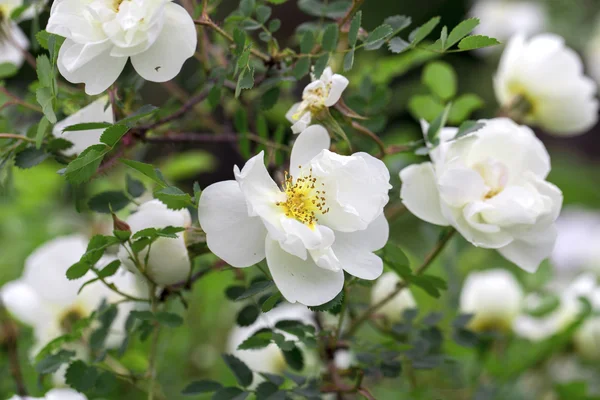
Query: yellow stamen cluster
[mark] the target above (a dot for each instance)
(70, 317)
(304, 201)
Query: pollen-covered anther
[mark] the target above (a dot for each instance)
(303, 202)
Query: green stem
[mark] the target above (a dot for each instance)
(154, 345)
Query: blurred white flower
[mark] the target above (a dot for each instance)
(44, 299)
(98, 111)
(592, 53)
(548, 77)
(539, 328)
(326, 219)
(169, 261)
(158, 36)
(12, 39)
(394, 308)
(344, 359)
(489, 185)
(494, 297)
(502, 19)
(317, 95)
(270, 359)
(587, 339)
(55, 394)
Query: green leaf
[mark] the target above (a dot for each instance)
(42, 38)
(463, 106)
(144, 111)
(86, 126)
(8, 70)
(168, 319)
(437, 125)
(263, 13)
(441, 79)
(349, 60)
(85, 165)
(242, 373)
(245, 81)
(77, 270)
(301, 68)
(425, 107)
(429, 283)
(254, 289)
(271, 302)
(398, 45)
(396, 259)
(44, 71)
(468, 127)
(265, 390)
(307, 42)
(398, 22)
(247, 7)
(203, 386)
(330, 38)
(56, 145)
(420, 33)
(173, 197)
(460, 31)
(113, 134)
(269, 98)
(477, 42)
(444, 36)
(354, 28)
(80, 376)
(247, 315)
(135, 188)
(42, 128)
(257, 341)
(294, 358)
(110, 269)
(377, 37)
(331, 305)
(53, 362)
(45, 99)
(29, 157)
(105, 202)
(230, 393)
(329, 9)
(146, 169)
(277, 1)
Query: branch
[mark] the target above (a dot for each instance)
(8, 336)
(193, 137)
(355, 6)
(18, 137)
(402, 285)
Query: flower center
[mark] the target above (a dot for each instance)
(313, 99)
(494, 174)
(304, 201)
(69, 318)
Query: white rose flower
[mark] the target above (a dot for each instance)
(534, 328)
(12, 39)
(101, 35)
(98, 111)
(169, 261)
(502, 19)
(270, 359)
(489, 185)
(326, 219)
(46, 300)
(587, 339)
(548, 76)
(592, 54)
(55, 394)
(317, 95)
(393, 309)
(494, 297)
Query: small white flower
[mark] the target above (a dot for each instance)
(319, 94)
(587, 339)
(169, 261)
(494, 297)
(12, 39)
(158, 36)
(98, 111)
(592, 54)
(326, 218)
(490, 185)
(570, 306)
(394, 308)
(270, 359)
(548, 76)
(55, 394)
(502, 19)
(344, 359)
(44, 299)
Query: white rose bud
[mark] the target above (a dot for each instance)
(548, 77)
(394, 308)
(169, 261)
(494, 297)
(490, 185)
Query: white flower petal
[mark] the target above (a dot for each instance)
(175, 44)
(307, 146)
(9, 53)
(23, 302)
(302, 123)
(292, 111)
(64, 394)
(231, 233)
(529, 253)
(420, 193)
(355, 250)
(299, 280)
(393, 309)
(339, 83)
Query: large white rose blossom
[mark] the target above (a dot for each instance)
(319, 94)
(12, 39)
(270, 359)
(548, 77)
(326, 218)
(101, 35)
(46, 300)
(490, 185)
(55, 394)
(98, 111)
(169, 261)
(494, 297)
(392, 310)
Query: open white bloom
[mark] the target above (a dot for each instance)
(534, 328)
(587, 339)
(548, 77)
(46, 300)
(55, 394)
(489, 185)
(158, 36)
(98, 111)
(394, 308)
(12, 39)
(592, 54)
(502, 19)
(494, 297)
(326, 218)
(317, 95)
(169, 261)
(270, 359)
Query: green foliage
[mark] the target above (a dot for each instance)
(198, 387)
(242, 373)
